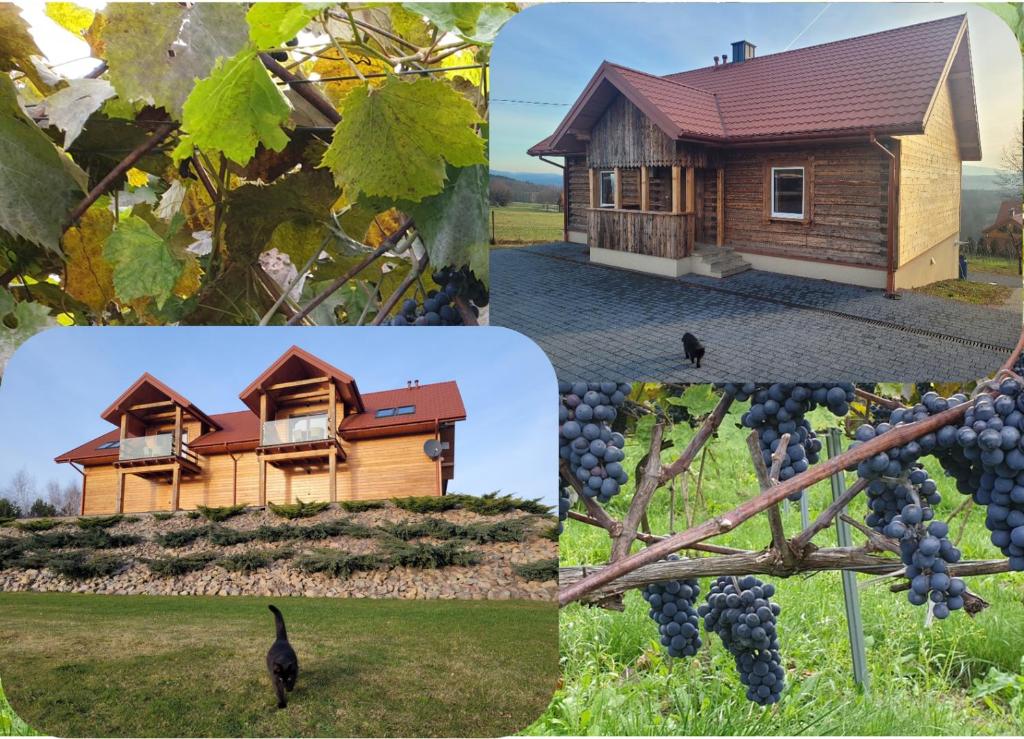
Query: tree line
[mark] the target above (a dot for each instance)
(22, 497)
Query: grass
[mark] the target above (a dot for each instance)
(526, 223)
(619, 681)
(193, 666)
(975, 293)
(991, 264)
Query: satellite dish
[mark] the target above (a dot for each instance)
(432, 448)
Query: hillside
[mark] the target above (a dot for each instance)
(450, 547)
(521, 191)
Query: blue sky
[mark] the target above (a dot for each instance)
(548, 53)
(57, 384)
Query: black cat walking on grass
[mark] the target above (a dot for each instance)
(282, 662)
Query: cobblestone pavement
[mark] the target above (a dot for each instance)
(595, 321)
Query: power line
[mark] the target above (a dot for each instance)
(526, 102)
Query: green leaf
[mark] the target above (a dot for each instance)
(272, 24)
(234, 110)
(393, 141)
(37, 190)
(19, 322)
(144, 266)
(156, 51)
(474, 21)
(70, 107)
(17, 47)
(453, 225)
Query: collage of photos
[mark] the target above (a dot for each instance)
(766, 256)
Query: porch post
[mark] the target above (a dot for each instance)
(263, 479)
(120, 492)
(645, 188)
(175, 485)
(593, 187)
(677, 189)
(177, 431)
(720, 208)
(332, 404)
(691, 190)
(334, 474)
(618, 188)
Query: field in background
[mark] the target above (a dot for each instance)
(960, 676)
(992, 265)
(526, 223)
(92, 665)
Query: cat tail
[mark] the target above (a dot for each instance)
(279, 622)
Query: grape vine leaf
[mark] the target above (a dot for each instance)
(474, 21)
(90, 278)
(144, 266)
(393, 141)
(70, 107)
(453, 224)
(37, 189)
(156, 52)
(19, 322)
(272, 24)
(17, 47)
(234, 110)
(71, 17)
(331, 64)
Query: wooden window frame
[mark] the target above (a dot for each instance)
(770, 166)
(600, 187)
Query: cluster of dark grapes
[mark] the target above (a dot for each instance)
(585, 439)
(671, 607)
(926, 551)
(743, 616)
(564, 504)
(779, 409)
(438, 308)
(990, 440)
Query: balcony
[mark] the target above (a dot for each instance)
(156, 451)
(305, 440)
(295, 430)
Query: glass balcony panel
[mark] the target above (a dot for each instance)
(142, 447)
(294, 430)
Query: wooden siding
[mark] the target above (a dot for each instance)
(929, 183)
(848, 200)
(651, 234)
(376, 468)
(578, 197)
(624, 137)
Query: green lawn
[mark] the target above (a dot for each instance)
(526, 223)
(93, 665)
(993, 265)
(975, 293)
(618, 680)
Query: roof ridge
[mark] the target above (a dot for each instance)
(816, 46)
(662, 78)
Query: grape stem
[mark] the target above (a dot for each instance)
(767, 479)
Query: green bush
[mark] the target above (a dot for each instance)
(336, 562)
(428, 556)
(220, 514)
(80, 566)
(358, 506)
(99, 522)
(193, 515)
(182, 537)
(337, 527)
(551, 532)
(163, 516)
(170, 566)
(252, 560)
(428, 503)
(89, 538)
(541, 570)
(11, 551)
(4, 520)
(437, 528)
(483, 533)
(37, 524)
(298, 509)
(223, 536)
(487, 505)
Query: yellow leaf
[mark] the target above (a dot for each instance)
(90, 279)
(464, 58)
(137, 178)
(383, 225)
(197, 207)
(331, 64)
(94, 36)
(191, 276)
(71, 17)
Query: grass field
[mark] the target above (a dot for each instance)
(526, 223)
(93, 665)
(975, 293)
(993, 265)
(938, 680)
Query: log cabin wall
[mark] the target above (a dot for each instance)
(625, 137)
(578, 196)
(848, 194)
(929, 183)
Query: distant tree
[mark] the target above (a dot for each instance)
(41, 509)
(501, 194)
(1011, 172)
(9, 509)
(20, 489)
(67, 498)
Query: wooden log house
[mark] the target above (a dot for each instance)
(840, 161)
(307, 432)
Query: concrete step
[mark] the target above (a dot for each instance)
(714, 261)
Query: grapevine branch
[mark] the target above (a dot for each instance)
(645, 488)
(308, 92)
(414, 273)
(767, 478)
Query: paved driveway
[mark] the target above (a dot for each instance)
(595, 321)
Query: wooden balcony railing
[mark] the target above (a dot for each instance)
(651, 233)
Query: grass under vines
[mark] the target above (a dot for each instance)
(940, 680)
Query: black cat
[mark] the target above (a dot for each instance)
(693, 348)
(282, 663)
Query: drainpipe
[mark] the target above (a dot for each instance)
(82, 473)
(892, 221)
(234, 475)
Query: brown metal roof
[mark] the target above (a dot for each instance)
(148, 389)
(298, 364)
(882, 83)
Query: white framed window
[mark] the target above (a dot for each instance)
(607, 192)
(788, 188)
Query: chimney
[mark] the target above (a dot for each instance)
(725, 58)
(742, 51)
(417, 384)
(408, 384)
(716, 60)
